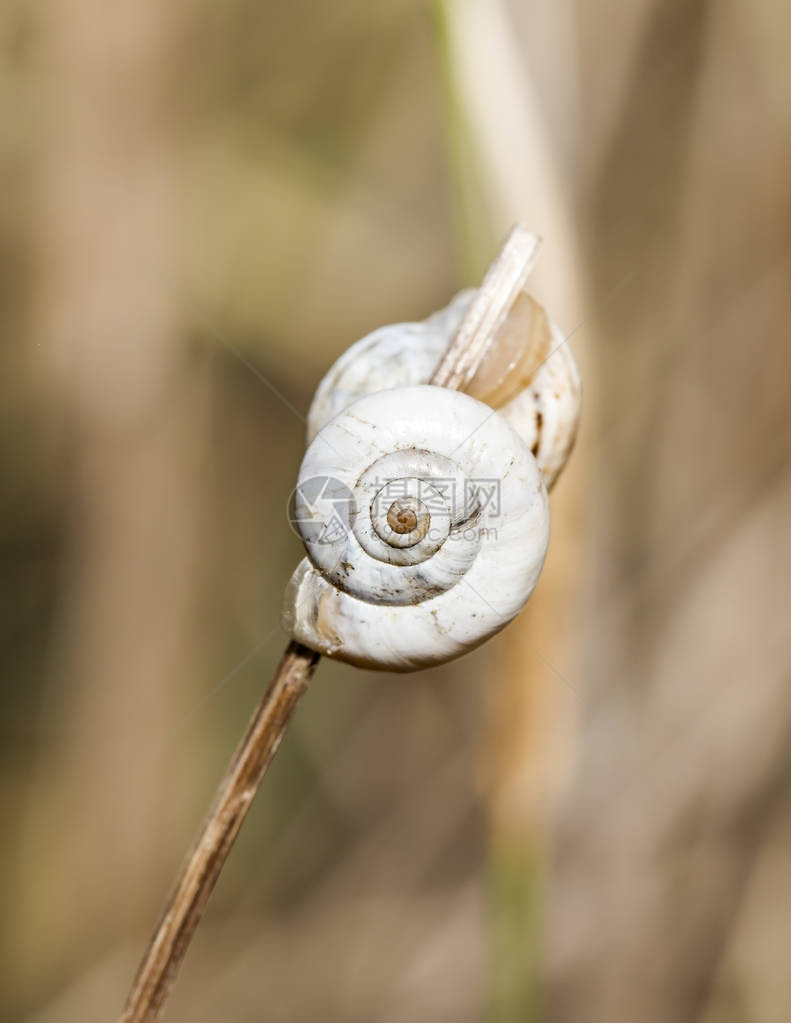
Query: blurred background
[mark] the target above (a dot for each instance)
(198, 196)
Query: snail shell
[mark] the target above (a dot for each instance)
(440, 516)
(531, 377)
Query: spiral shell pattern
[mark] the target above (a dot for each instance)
(443, 529)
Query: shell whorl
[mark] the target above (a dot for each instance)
(537, 387)
(424, 562)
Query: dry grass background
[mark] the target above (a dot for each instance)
(474, 842)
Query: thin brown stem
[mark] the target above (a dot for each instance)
(196, 881)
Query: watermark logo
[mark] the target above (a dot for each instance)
(321, 509)
(488, 494)
(438, 493)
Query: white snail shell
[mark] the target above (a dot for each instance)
(537, 389)
(424, 564)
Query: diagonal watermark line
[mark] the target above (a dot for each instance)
(232, 348)
(566, 682)
(582, 323)
(510, 626)
(231, 674)
(557, 348)
(217, 688)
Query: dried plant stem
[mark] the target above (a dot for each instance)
(198, 877)
(188, 899)
(503, 282)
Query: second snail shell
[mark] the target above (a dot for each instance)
(541, 401)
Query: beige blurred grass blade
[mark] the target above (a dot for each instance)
(507, 133)
(530, 724)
